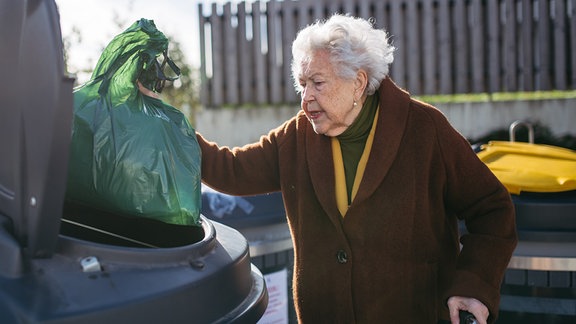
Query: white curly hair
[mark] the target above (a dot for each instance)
(353, 44)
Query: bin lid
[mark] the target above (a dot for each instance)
(531, 167)
(35, 118)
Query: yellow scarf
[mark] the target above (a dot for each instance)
(339, 177)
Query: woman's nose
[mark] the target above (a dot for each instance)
(307, 94)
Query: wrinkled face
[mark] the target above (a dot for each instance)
(327, 99)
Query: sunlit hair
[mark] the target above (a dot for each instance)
(353, 44)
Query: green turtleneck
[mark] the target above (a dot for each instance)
(353, 140)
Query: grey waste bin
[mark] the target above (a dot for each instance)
(540, 282)
(73, 264)
(262, 220)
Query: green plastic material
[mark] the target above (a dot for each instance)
(132, 154)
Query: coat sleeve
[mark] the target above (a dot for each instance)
(248, 170)
(478, 198)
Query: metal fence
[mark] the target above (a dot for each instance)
(443, 46)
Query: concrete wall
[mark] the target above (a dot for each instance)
(477, 119)
(236, 127)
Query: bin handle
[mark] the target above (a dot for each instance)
(517, 123)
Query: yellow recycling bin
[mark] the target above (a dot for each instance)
(531, 167)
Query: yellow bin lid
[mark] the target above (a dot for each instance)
(531, 167)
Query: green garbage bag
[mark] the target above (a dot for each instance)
(132, 154)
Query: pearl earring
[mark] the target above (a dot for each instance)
(355, 103)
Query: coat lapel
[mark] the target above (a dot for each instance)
(393, 116)
(321, 168)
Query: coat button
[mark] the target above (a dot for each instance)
(342, 256)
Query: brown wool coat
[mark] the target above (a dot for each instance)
(394, 257)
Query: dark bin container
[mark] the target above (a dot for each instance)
(262, 220)
(60, 264)
(540, 282)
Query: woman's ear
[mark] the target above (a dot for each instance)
(360, 83)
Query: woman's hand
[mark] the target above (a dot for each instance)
(472, 305)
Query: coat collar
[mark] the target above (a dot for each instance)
(394, 108)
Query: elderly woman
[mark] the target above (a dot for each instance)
(374, 184)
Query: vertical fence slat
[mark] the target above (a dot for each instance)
(217, 58)
(347, 7)
(274, 46)
(428, 47)
(543, 23)
(364, 9)
(288, 35)
(527, 45)
(318, 10)
(397, 69)
(444, 47)
(493, 43)
(559, 37)
(509, 53)
(230, 57)
(379, 16)
(245, 64)
(477, 46)
(414, 54)
(204, 89)
(303, 15)
(333, 7)
(572, 15)
(460, 34)
(260, 69)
